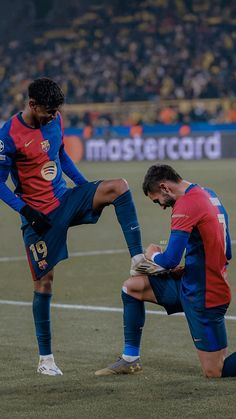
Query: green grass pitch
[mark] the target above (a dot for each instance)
(171, 385)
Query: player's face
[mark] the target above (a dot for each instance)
(164, 198)
(43, 115)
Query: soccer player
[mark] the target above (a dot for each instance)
(199, 226)
(32, 151)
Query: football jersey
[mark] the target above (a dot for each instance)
(200, 213)
(32, 157)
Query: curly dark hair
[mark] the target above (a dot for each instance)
(156, 174)
(46, 92)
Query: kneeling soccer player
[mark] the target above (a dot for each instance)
(199, 225)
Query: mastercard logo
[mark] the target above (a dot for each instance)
(49, 171)
(74, 147)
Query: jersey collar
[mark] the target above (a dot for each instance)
(190, 187)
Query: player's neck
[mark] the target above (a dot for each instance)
(182, 187)
(29, 119)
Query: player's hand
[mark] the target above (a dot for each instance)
(38, 221)
(151, 249)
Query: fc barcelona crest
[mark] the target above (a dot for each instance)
(45, 145)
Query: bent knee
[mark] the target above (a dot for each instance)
(212, 372)
(44, 285)
(119, 186)
(134, 284)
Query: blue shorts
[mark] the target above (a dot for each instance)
(45, 251)
(206, 325)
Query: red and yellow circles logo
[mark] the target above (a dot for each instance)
(74, 147)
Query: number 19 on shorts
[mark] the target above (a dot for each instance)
(39, 250)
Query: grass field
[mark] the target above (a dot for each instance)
(171, 385)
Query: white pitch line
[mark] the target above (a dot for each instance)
(78, 254)
(71, 255)
(93, 308)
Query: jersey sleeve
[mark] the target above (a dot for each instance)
(70, 169)
(172, 256)
(7, 151)
(67, 165)
(185, 215)
(228, 239)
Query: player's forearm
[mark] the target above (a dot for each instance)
(228, 246)
(70, 169)
(10, 198)
(172, 256)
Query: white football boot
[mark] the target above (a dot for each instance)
(140, 265)
(47, 366)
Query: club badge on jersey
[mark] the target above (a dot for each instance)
(45, 146)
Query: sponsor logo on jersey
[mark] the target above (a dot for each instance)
(1, 146)
(180, 216)
(45, 145)
(42, 264)
(2, 157)
(49, 170)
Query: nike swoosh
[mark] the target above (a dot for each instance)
(133, 228)
(197, 340)
(27, 144)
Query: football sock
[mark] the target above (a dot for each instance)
(46, 357)
(229, 367)
(41, 314)
(129, 358)
(127, 217)
(133, 319)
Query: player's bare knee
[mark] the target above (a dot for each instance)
(120, 186)
(133, 285)
(127, 288)
(212, 372)
(44, 285)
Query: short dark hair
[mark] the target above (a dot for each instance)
(46, 92)
(158, 173)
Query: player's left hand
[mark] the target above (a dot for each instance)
(151, 249)
(38, 221)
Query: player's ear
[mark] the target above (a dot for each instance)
(32, 104)
(164, 187)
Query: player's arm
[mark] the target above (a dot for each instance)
(70, 169)
(228, 245)
(228, 239)
(183, 219)
(172, 256)
(7, 195)
(67, 165)
(7, 153)
(36, 219)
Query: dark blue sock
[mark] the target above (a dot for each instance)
(133, 319)
(229, 367)
(41, 313)
(127, 217)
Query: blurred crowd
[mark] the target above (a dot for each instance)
(151, 50)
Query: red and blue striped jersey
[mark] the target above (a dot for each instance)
(35, 158)
(200, 213)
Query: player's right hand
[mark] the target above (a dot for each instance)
(38, 221)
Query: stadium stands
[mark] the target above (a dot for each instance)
(151, 50)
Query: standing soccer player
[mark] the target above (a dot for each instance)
(32, 151)
(199, 225)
